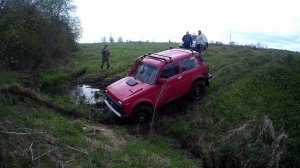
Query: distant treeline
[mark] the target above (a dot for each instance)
(36, 32)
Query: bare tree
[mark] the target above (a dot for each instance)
(103, 39)
(120, 40)
(259, 45)
(111, 39)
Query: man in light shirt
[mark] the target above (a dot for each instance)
(200, 40)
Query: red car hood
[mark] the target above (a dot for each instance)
(121, 90)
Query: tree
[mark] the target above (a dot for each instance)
(111, 39)
(103, 39)
(34, 33)
(120, 40)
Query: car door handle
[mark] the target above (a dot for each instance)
(179, 77)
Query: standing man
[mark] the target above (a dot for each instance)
(187, 40)
(200, 40)
(105, 56)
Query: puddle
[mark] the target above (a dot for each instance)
(79, 94)
(85, 94)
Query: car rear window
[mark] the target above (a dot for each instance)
(189, 63)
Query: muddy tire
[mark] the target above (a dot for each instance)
(197, 91)
(142, 114)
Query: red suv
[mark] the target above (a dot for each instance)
(156, 79)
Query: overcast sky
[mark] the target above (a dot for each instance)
(274, 23)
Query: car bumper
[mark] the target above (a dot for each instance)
(112, 109)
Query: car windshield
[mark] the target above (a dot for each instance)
(145, 72)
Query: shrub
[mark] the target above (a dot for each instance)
(34, 33)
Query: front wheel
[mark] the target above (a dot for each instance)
(142, 114)
(197, 91)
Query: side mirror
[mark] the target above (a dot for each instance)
(161, 80)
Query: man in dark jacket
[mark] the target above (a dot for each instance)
(187, 40)
(105, 56)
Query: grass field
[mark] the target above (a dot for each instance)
(248, 118)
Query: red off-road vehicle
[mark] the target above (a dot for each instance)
(155, 80)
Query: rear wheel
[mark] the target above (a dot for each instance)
(142, 114)
(197, 91)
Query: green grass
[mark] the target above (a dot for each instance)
(89, 58)
(8, 78)
(246, 88)
(153, 152)
(49, 77)
(52, 130)
(225, 127)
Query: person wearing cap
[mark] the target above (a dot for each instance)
(105, 56)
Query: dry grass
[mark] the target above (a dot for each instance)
(278, 150)
(115, 142)
(268, 129)
(211, 155)
(240, 133)
(272, 147)
(155, 159)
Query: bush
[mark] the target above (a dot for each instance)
(34, 33)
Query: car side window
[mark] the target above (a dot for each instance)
(189, 63)
(170, 70)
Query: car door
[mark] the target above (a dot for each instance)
(188, 67)
(170, 88)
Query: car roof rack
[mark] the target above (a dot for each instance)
(192, 50)
(159, 57)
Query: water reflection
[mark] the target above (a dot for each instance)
(85, 94)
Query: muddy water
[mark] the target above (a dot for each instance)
(85, 94)
(79, 94)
